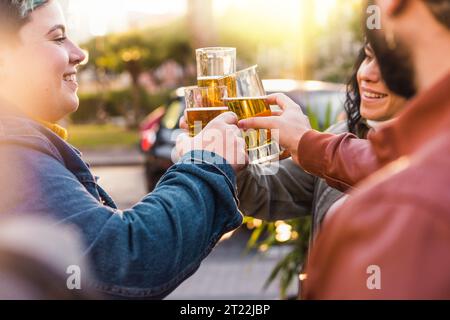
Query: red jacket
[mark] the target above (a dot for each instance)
(342, 160)
(398, 220)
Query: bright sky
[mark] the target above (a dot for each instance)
(116, 7)
(93, 17)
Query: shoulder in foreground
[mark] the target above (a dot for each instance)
(419, 183)
(19, 132)
(13, 126)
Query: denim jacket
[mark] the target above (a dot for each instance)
(143, 252)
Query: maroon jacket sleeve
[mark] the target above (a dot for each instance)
(390, 250)
(342, 160)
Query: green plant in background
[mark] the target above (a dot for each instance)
(115, 103)
(314, 119)
(89, 136)
(137, 52)
(294, 234)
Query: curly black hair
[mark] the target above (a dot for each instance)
(355, 123)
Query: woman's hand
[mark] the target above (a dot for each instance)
(183, 124)
(220, 136)
(290, 123)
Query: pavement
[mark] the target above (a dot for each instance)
(231, 273)
(227, 273)
(116, 156)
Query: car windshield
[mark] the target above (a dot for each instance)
(326, 106)
(319, 102)
(172, 115)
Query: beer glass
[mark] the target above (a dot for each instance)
(216, 66)
(202, 105)
(250, 101)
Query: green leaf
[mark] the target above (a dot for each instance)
(256, 234)
(327, 123)
(313, 119)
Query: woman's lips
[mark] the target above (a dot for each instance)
(371, 95)
(71, 81)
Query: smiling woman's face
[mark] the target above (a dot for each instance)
(377, 102)
(38, 74)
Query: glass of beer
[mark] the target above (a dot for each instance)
(203, 104)
(251, 102)
(216, 66)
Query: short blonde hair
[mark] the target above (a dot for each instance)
(26, 6)
(14, 14)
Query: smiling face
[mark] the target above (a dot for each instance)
(377, 102)
(38, 73)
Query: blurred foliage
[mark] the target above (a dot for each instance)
(295, 234)
(101, 136)
(141, 50)
(301, 49)
(136, 52)
(314, 119)
(338, 43)
(101, 107)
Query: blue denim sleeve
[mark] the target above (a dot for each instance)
(145, 251)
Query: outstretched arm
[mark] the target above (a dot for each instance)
(275, 192)
(343, 160)
(145, 251)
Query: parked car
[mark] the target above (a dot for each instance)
(149, 128)
(157, 142)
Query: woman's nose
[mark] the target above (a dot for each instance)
(77, 55)
(371, 72)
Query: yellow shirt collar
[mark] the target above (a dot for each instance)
(57, 129)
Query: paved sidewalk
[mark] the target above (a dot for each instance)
(231, 274)
(113, 157)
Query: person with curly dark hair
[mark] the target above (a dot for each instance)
(290, 191)
(395, 228)
(368, 101)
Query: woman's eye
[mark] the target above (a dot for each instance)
(60, 40)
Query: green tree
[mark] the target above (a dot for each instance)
(136, 52)
(123, 53)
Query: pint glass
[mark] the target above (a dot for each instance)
(250, 101)
(216, 66)
(202, 105)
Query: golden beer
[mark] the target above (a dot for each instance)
(250, 107)
(227, 81)
(198, 118)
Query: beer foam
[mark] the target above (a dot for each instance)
(210, 78)
(224, 108)
(245, 98)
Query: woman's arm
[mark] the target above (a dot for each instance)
(275, 192)
(145, 251)
(342, 160)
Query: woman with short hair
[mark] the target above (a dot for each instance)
(143, 252)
